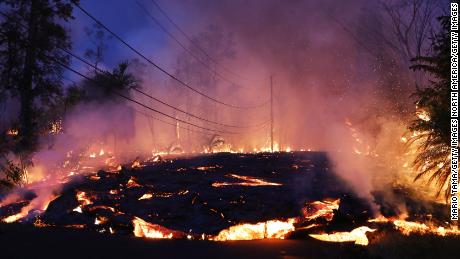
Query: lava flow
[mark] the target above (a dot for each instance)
(184, 198)
(357, 235)
(149, 230)
(276, 229)
(247, 181)
(412, 227)
(316, 209)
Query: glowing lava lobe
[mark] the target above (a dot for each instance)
(150, 230)
(246, 181)
(317, 209)
(357, 235)
(276, 229)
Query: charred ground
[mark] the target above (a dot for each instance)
(197, 197)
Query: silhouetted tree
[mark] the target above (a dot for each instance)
(432, 127)
(104, 85)
(103, 88)
(98, 39)
(31, 35)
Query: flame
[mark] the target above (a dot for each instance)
(83, 198)
(318, 209)
(136, 164)
(380, 219)
(205, 168)
(146, 196)
(247, 181)
(18, 216)
(94, 177)
(132, 183)
(423, 115)
(357, 235)
(56, 127)
(149, 230)
(12, 132)
(276, 229)
(38, 203)
(40, 224)
(409, 227)
(100, 220)
(102, 207)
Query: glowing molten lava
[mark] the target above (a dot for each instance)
(270, 229)
(12, 132)
(317, 209)
(149, 230)
(83, 199)
(132, 183)
(247, 181)
(136, 164)
(357, 235)
(36, 204)
(16, 217)
(410, 227)
(146, 196)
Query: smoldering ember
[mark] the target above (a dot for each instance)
(228, 129)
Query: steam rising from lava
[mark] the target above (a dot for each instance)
(330, 95)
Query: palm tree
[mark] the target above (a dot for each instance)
(103, 84)
(431, 128)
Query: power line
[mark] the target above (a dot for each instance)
(125, 97)
(139, 103)
(172, 124)
(184, 128)
(158, 100)
(141, 92)
(197, 46)
(195, 116)
(163, 28)
(160, 68)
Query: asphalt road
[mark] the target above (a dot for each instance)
(69, 243)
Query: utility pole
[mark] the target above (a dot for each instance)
(271, 113)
